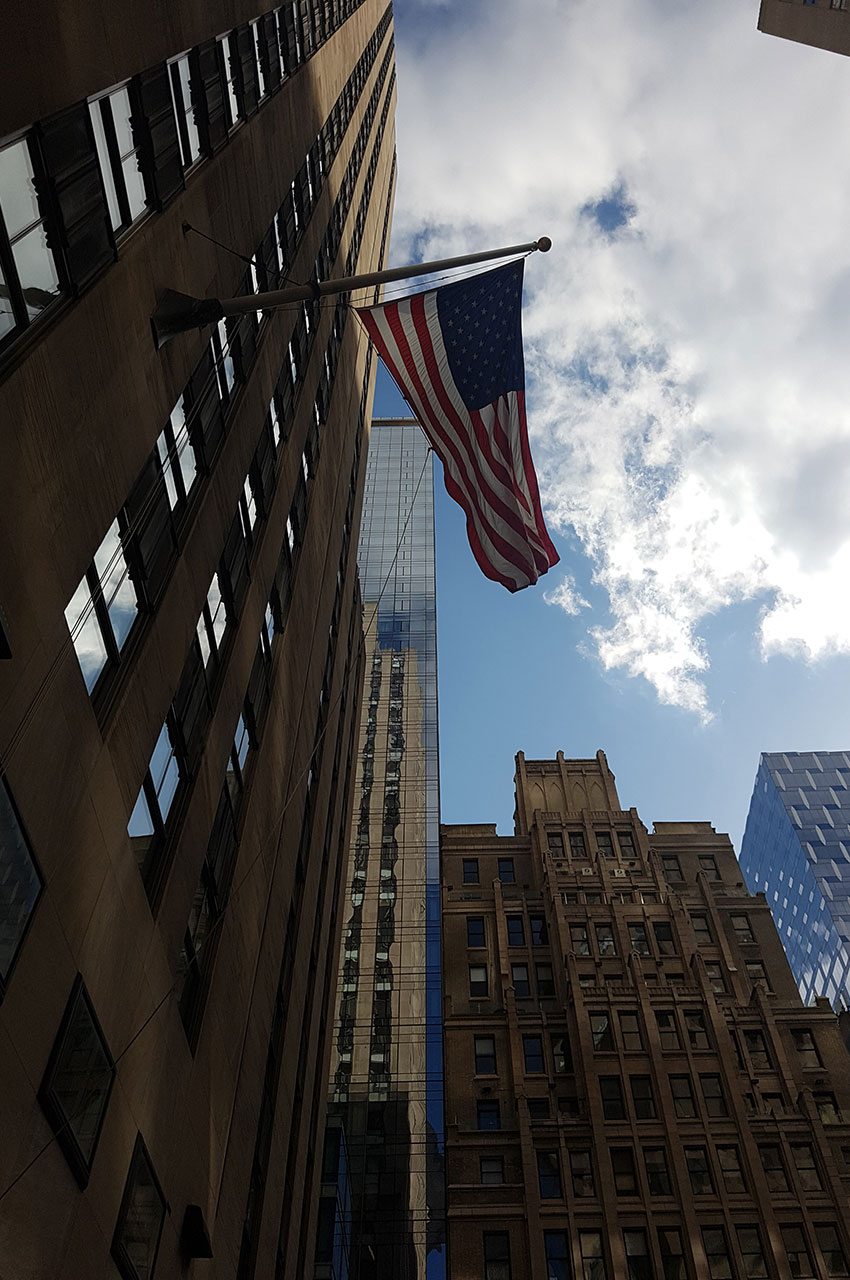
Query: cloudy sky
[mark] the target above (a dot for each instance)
(686, 349)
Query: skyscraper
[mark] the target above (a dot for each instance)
(796, 851)
(179, 588)
(386, 1065)
(633, 1086)
(822, 23)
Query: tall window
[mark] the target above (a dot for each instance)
(557, 1255)
(749, 1242)
(491, 1170)
(714, 973)
(731, 1171)
(657, 1174)
(664, 938)
(475, 931)
(717, 1253)
(477, 980)
(549, 1175)
(630, 1031)
(545, 980)
(638, 939)
(774, 1170)
(757, 1049)
(799, 1258)
(140, 1219)
(623, 1168)
(519, 978)
(672, 1254)
(516, 931)
(671, 868)
(600, 1030)
(177, 457)
(699, 1172)
(581, 1173)
(29, 277)
(741, 927)
(832, 1249)
(539, 936)
(577, 845)
(667, 1031)
(612, 1098)
(488, 1115)
(118, 156)
(807, 1050)
(604, 843)
(532, 1048)
(803, 1155)
(485, 1055)
(20, 884)
(147, 827)
(181, 98)
(695, 1027)
(638, 1262)
(702, 930)
(470, 871)
(592, 1256)
(642, 1097)
(683, 1097)
(497, 1255)
(578, 939)
(712, 1095)
(605, 940)
(507, 874)
(103, 608)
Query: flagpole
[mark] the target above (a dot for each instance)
(179, 312)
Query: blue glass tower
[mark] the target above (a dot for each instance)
(796, 850)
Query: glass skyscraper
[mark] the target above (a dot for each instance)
(796, 850)
(386, 1086)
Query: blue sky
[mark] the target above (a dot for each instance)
(686, 359)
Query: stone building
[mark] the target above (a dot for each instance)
(633, 1085)
(825, 24)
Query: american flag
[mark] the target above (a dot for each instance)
(456, 355)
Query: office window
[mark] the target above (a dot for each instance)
(712, 1095)
(497, 1255)
(213, 624)
(475, 931)
(612, 1098)
(638, 939)
(545, 980)
(830, 1246)
(586, 980)
(29, 278)
(488, 1115)
(555, 841)
(623, 1167)
(664, 938)
(104, 607)
(714, 973)
(478, 980)
(799, 1258)
(177, 457)
(532, 1047)
(516, 931)
(577, 845)
(741, 926)
(804, 1162)
(557, 1255)
(756, 972)
(506, 870)
(549, 1175)
(181, 97)
(20, 884)
(667, 1030)
(657, 1173)
(581, 1173)
(644, 1102)
(827, 1107)
(638, 1263)
(695, 1027)
(492, 1170)
(672, 868)
(702, 930)
(519, 978)
(601, 1033)
(470, 871)
(604, 843)
(757, 1049)
(774, 1170)
(749, 1242)
(630, 1031)
(730, 1170)
(605, 939)
(578, 939)
(708, 866)
(592, 1256)
(77, 1083)
(561, 1053)
(140, 1219)
(696, 1158)
(672, 1255)
(717, 1253)
(807, 1050)
(539, 936)
(236, 765)
(147, 825)
(485, 1055)
(683, 1097)
(538, 1108)
(118, 156)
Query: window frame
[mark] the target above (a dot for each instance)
(118, 1250)
(6, 798)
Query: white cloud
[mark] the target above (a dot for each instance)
(567, 596)
(687, 375)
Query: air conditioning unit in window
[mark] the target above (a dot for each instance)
(587, 871)
(620, 871)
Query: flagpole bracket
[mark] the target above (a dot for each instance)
(178, 312)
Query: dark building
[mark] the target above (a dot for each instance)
(634, 1088)
(822, 23)
(386, 1067)
(179, 590)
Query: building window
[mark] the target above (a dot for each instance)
(672, 868)
(488, 1115)
(477, 980)
(561, 1055)
(827, 1107)
(657, 1174)
(532, 1047)
(807, 1050)
(708, 866)
(213, 624)
(664, 938)
(605, 940)
(757, 1049)
(638, 1264)
(626, 843)
(539, 936)
(177, 458)
(485, 1055)
(683, 1097)
(181, 98)
(492, 1171)
(577, 846)
(578, 939)
(470, 871)
(557, 1255)
(519, 978)
(799, 1258)
(667, 1030)
(592, 1256)
(29, 278)
(497, 1255)
(712, 1096)
(749, 1242)
(830, 1246)
(774, 1170)
(118, 156)
(475, 931)
(630, 1032)
(140, 1219)
(555, 842)
(549, 1175)
(507, 875)
(538, 1108)
(104, 607)
(601, 1033)
(623, 1167)
(76, 1086)
(756, 972)
(612, 1098)
(695, 1027)
(20, 884)
(545, 981)
(717, 1253)
(804, 1162)
(147, 827)
(714, 973)
(702, 931)
(604, 843)
(644, 1102)
(731, 1171)
(741, 926)
(638, 939)
(516, 931)
(696, 1158)
(672, 1255)
(581, 1173)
